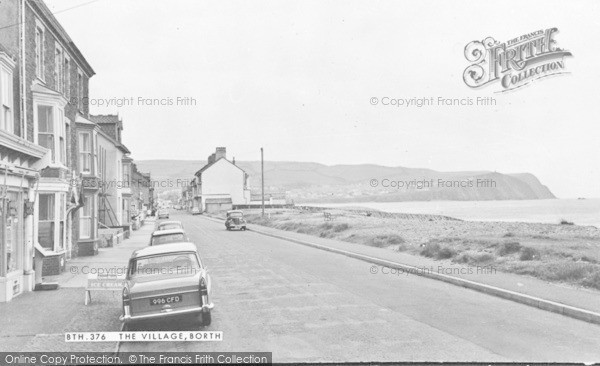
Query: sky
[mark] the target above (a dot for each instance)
(299, 79)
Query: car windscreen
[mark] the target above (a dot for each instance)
(236, 215)
(168, 238)
(172, 264)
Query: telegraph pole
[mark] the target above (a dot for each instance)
(262, 178)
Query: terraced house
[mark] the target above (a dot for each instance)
(44, 82)
(115, 207)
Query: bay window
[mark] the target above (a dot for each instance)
(85, 152)
(126, 175)
(46, 128)
(51, 134)
(46, 214)
(85, 218)
(51, 220)
(6, 98)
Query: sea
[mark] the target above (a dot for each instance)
(578, 211)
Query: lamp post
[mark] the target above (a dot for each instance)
(262, 176)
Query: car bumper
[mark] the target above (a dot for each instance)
(127, 318)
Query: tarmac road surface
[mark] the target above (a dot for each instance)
(305, 304)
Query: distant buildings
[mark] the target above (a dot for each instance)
(56, 161)
(142, 194)
(222, 185)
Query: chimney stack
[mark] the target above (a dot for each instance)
(233, 161)
(220, 153)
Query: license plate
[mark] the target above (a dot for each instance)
(166, 300)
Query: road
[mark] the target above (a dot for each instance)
(304, 304)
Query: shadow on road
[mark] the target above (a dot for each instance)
(175, 324)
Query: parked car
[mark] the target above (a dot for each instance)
(160, 237)
(235, 220)
(195, 211)
(162, 214)
(167, 225)
(165, 281)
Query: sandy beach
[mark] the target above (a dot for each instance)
(562, 253)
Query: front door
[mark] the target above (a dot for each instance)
(13, 236)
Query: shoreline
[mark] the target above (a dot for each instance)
(581, 212)
(558, 253)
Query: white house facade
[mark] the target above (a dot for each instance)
(220, 184)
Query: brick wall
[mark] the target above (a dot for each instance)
(53, 265)
(71, 109)
(9, 43)
(88, 247)
(50, 82)
(29, 67)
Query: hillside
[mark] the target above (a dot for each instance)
(344, 183)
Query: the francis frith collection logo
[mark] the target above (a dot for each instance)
(516, 62)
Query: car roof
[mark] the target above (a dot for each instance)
(168, 222)
(168, 232)
(235, 211)
(165, 249)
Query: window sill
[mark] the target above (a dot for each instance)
(58, 166)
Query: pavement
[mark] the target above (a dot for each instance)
(311, 305)
(38, 321)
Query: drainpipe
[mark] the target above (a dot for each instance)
(23, 75)
(69, 216)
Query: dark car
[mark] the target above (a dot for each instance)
(166, 281)
(235, 220)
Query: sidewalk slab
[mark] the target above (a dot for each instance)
(38, 321)
(113, 258)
